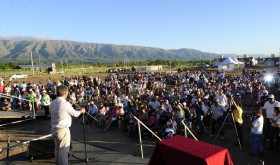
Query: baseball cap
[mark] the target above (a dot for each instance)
(92, 102)
(44, 91)
(271, 96)
(265, 91)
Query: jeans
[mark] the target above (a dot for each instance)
(200, 124)
(267, 128)
(239, 132)
(62, 140)
(257, 146)
(274, 132)
(215, 122)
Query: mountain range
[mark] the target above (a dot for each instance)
(71, 51)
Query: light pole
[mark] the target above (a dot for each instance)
(170, 67)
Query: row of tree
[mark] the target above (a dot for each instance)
(174, 63)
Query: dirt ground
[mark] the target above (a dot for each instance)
(118, 141)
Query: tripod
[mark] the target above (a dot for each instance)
(234, 123)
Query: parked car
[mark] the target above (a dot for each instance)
(204, 65)
(18, 75)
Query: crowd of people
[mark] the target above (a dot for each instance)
(163, 102)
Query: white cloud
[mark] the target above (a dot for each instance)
(23, 37)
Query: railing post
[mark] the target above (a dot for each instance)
(33, 110)
(140, 138)
(185, 129)
(8, 145)
(189, 130)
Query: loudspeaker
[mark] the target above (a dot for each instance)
(41, 149)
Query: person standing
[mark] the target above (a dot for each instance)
(237, 115)
(61, 112)
(268, 112)
(45, 102)
(32, 98)
(217, 118)
(274, 130)
(256, 133)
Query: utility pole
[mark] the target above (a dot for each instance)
(124, 60)
(61, 64)
(278, 74)
(210, 60)
(279, 59)
(32, 63)
(67, 63)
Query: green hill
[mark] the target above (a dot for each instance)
(56, 50)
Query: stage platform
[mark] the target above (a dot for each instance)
(15, 114)
(101, 156)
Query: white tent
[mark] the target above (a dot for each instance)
(230, 64)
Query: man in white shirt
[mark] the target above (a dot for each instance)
(217, 117)
(222, 98)
(268, 112)
(256, 133)
(61, 112)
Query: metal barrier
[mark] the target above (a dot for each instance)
(34, 117)
(186, 128)
(9, 96)
(25, 142)
(140, 138)
(16, 122)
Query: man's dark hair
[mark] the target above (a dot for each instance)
(61, 90)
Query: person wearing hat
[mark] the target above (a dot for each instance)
(45, 102)
(274, 130)
(256, 133)
(92, 110)
(268, 111)
(263, 98)
(32, 98)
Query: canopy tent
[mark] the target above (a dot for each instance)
(230, 64)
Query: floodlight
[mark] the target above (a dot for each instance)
(268, 78)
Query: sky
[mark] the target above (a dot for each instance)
(216, 26)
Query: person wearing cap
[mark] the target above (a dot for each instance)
(45, 102)
(263, 98)
(61, 119)
(274, 130)
(32, 98)
(92, 109)
(268, 111)
(256, 133)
